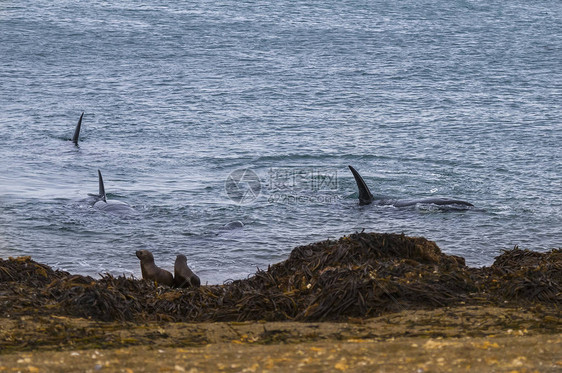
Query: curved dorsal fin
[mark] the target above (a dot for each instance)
(365, 196)
(102, 189)
(77, 130)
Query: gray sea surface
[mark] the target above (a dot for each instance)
(201, 115)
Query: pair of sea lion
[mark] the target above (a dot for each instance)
(183, 276)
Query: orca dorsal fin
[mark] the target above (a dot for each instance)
(365, 196)
(77, 130)
(102, 188)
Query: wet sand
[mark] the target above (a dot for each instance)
(466, 338)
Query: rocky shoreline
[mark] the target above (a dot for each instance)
(332, 304)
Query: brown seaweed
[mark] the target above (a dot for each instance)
(357, 276)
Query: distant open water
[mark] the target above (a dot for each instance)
(425, 98)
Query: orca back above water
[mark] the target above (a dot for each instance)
(233, 225)
(366, 197)
(76, 136)
(103, 204)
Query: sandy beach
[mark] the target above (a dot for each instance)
(442, 340)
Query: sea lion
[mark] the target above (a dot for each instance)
(183, 275)
(151, 272)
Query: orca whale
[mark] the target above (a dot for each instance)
(100, 201)
(77, 130)
(366, 197)
(233, 225)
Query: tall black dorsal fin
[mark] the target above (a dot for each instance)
(77, 130)
(365, 196)
(102, 189)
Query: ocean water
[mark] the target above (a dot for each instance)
(203, 114)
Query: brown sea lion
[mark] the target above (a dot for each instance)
(183, 275)
(151, 272)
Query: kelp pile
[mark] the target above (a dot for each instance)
(360, 275)
(526, 275)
